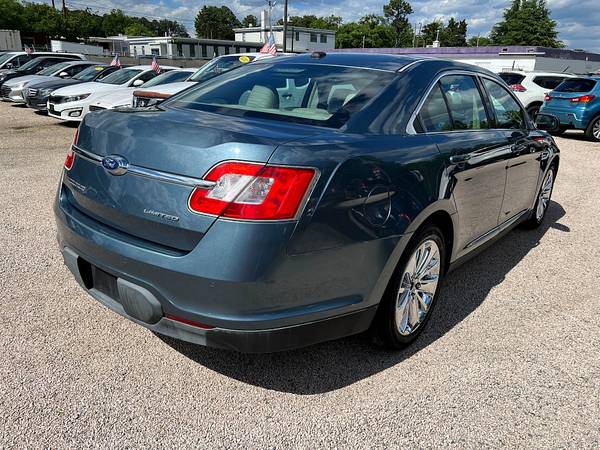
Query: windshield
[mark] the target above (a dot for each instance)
(303, 93)
(55, 68)
(30, 64)
(511, 78)
(6, 57)
(220, 65)
(168, 77)
(121, 76)
(576, 85)
(89, 74)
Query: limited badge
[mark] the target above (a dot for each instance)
(244, 59)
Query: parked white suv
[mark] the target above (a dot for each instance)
(531, 87)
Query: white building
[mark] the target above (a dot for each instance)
(299, 39)
(76, 47)
(180, 47)
(10, 40)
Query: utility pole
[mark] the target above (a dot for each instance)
(64, 9)
(53, 5)
(285, 25)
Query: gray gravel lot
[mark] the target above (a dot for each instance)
(511, 357)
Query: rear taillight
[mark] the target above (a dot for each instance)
(583, 99)
(518, 88)
(547, 98)
(70, 159)
(253, 191)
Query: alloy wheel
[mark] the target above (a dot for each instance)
(596, 129)
(544, 197)
(418, 286)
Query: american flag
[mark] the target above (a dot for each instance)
(269, 46)
(155, 65)
(116, 62)
(28, 50)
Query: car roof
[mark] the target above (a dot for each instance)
(537, 73)
(148, 66)
(377, 61)
(34, 54)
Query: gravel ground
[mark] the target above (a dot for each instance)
(511, 357)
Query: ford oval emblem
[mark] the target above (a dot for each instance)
(115, 164)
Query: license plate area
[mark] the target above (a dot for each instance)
(96, 278)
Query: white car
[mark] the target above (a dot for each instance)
(12, 90)
(143, 98)
(531, 87)
(122, 98)
(72, 103)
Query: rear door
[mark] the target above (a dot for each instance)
(455, 117)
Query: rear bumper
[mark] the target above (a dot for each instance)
(141, 306)
(570, 117)
(257, 302)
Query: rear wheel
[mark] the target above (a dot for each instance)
(593, 130)
(543, 200)
(411, 296)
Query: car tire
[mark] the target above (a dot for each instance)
(408, 302)
(532, 111)
(592, 132)
(542, 200)
(558, 132)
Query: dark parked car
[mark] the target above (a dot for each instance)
(35, 65)
(301, 199)
(576, 105)
(36, 95)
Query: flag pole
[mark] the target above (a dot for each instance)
(285, 25)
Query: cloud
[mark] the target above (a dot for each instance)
(579, 26)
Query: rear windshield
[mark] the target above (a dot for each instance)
(303, 93)
(89, 74)
(511, 77)
(121, 76)
(219, 66)
(576, 85)
(55, 68)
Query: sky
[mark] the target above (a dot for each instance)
(578, 21)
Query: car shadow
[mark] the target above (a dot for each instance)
(333, 365)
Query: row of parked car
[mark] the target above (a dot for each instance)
(68, 86)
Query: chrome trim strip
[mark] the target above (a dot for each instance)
(496, 230)
(139, 171)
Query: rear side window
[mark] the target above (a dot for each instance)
(509, 114)
(576, 85)
(465, 103)
(548, 82)
(434, 116)
(512, 78)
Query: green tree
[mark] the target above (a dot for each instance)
(41, 18)
(479, 41)
(453, 34)
(311, 21)
(11, 15)
(215, 22)
(526, 22)
(168, 27)
(370, 31)
(81, 24)
(115, 22)
(138, 29)
(397, 12)
(250, 21)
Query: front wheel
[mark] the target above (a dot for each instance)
(409, 300)
(533, 111)
(543, 200)
(593, 130)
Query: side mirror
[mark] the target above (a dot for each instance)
(138, 82)
(546, 122)
(63, 74)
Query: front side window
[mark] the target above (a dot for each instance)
(509, 114)
(121, 76)
(434, 116)
(313, 94)
(465, 103)
(90, 73)
(168, 77)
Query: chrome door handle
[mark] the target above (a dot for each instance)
(458, 159)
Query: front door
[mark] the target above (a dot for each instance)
(523, 168)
